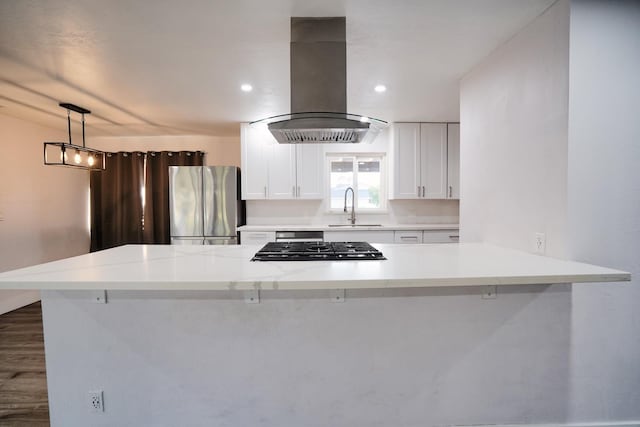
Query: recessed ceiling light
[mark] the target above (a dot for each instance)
(246, 87)
(380, 88)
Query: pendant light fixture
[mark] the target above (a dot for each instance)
(68, 154)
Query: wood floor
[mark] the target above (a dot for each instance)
(23, 382)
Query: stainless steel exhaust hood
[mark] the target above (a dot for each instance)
(319, 88)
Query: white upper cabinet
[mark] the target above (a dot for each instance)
(279, 171)
(282, 172)
(254, 148)
(309, 170)
(453, 160)
(406, 161)
(433, 165)
(420, 161)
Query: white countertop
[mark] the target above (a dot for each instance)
(346, 227)
(165, 267)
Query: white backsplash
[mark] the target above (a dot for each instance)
(303, 212)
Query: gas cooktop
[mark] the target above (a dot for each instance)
(317, 251)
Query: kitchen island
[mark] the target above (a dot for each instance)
(200, 335)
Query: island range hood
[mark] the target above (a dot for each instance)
(319, 88)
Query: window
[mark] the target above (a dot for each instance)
(362, 172)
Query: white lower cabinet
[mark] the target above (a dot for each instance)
(440, 236)
(381, 236)
(370, 236)
(257, 237)
(426, 236)
(413, 236)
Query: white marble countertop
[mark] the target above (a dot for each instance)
(166, 267)
(346, 227)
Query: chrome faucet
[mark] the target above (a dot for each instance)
(352, 219)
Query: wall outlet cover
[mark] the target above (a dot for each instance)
(539, 243)
(96, 401)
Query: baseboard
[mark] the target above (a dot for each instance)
(12, 300)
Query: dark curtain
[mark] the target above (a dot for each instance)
(156, 210)
(116, 201)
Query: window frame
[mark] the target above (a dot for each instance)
(384, 185)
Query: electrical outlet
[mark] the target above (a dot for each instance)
(96, 401)
(539, 243)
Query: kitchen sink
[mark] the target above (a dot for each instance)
(355, 225)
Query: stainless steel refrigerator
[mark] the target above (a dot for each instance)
(204, 205)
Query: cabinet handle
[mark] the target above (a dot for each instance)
(423, 191)
(293, 191)
(414, 238)
(418, 191)
(298, 191)
(265, 191)
(450, 190)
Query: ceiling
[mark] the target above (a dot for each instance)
(151, 67)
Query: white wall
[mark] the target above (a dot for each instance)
(604, 206)
(44, 209)
(549, 143)
(513, 156)
(221, 151)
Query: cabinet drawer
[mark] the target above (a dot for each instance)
(411, 236)
(382, 236)
(257, 237)
(440, 236)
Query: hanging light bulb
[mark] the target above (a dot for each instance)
(53, 150)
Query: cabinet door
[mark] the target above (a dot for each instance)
(440, 236)
(453, 160)
(406, 170)
(254, 143)
(282, 171)
(382, 236)
(257, 237)
(309, 168)
(409, 236)
(433, 160)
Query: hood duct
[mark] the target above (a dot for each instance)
(319, 88)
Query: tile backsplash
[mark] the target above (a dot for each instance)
(294, 212)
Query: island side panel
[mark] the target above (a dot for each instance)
(383, 357)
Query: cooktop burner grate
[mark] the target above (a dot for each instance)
(317, 251)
